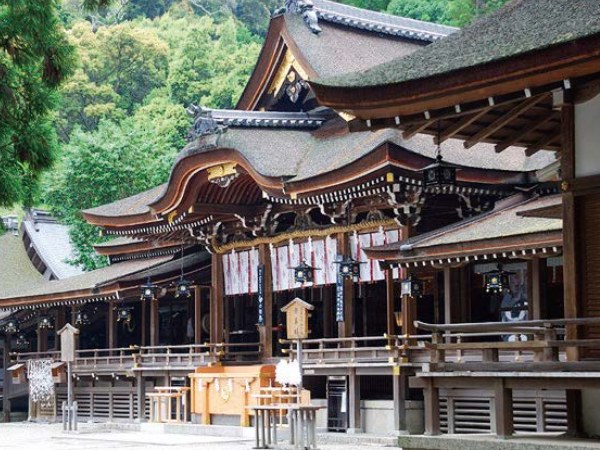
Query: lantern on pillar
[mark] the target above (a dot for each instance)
(183, 288)
(12, 327)
(349, 268)
(124, 314)
(303, 273)
(412, 286)
(148, 291)
(45, 323)
(497, 280)
(22, 343)
(82, 318)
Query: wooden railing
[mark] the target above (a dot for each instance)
(382, 350)
(172, 356)
(538, 341)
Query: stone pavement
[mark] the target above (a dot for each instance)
(29, 436)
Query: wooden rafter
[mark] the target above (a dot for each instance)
(523, 131)
(504, 119)
(543, 143)
(214, 208)
(416, 129)
(458, 126)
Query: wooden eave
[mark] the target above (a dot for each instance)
(498, 246)
(533, 69)
(133, 247)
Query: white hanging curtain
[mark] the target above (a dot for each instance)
(239, 272)
(370, 270)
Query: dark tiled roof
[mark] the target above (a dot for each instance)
(521, 26)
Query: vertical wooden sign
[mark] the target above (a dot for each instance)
(339, 298)
(260, 277)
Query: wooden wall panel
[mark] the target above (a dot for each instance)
(588, 220)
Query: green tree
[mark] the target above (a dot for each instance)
(375, 5)
(35, 59)
(428, 10)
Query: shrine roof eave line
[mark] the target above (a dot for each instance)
(507, 247)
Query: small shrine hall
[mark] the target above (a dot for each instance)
(421, 237)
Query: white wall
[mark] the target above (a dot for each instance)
(587, 138)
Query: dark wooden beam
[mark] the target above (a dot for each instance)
(266, 331)
(504, 119)
(543, 143)
(197, 315)
(523, 131)
(461, 124)
(389, 301)
(216, 299)
(216, 208)
(416, 129)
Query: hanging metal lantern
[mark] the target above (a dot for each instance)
(497, 280)
(45, 323)
(82, 318)
(22, 343)
(412, 286)
(12, 327)
(148, 291)
(349, 268)
(183, 288)
(303, 273)
(440, 175)
(124, 314)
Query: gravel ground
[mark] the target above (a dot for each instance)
(19, 436)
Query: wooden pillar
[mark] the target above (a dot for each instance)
(61, 320)
(144, 323)
(448, 300)
(197, 315)
(111, 325)
(400, 389)
(328, 318)
(345, 328)
(574, 413)
(537, 288)
(389, 301)
(464, 284)
(571, 289)
(216, 300)
(503, 411)
(431, 402)
(140, 387)
(154, 322)
(266, 331)
(6, 403)
(354, 421)
(42, 340)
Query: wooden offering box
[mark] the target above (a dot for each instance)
(228, 390)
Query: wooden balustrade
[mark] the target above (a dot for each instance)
(184, 356)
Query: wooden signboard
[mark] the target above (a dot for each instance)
(68, 342)
(296, 316)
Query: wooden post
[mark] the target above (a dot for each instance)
(345, 328)
(61, 320)
(354, 421)
(327, 313)
(571, 289)
(141, 396)
(266, 331)
(111, 325)
(389, 300)
(154, 325)
(197, 316)
(537, 282)
(432, 407)
(216, 300)
(6, 403)
(144, 323)
(400, 388)
(503, 412)
(447, 295)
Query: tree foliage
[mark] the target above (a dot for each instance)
(35, 58)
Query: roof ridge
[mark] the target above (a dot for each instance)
(380, 22)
